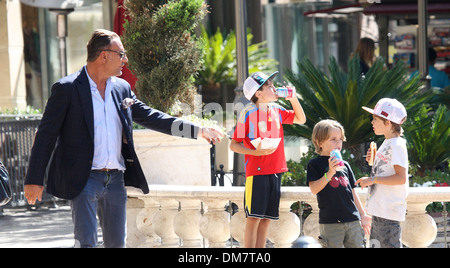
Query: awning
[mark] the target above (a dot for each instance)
(59, 4)
(385, 8)
(378, 9)
(335, 11)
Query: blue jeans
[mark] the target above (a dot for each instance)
(104, 194)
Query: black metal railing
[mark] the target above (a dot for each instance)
(16, 138)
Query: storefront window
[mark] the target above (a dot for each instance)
(42, 58)
(403, 43)
(291, 36)
(82, 22)
(32, 56)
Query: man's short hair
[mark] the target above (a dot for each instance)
(100, 40)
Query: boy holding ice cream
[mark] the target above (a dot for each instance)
(388, 183)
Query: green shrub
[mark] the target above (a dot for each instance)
(428, 136)
(162, 49)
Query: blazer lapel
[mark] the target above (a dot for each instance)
(124, 118)
(84, 91)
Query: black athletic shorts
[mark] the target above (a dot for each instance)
(262, 196)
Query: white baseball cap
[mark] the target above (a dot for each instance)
(254, 82)
(390, 109)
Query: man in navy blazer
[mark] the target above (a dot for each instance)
(86, 135)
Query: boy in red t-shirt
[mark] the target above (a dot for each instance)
(260, 121)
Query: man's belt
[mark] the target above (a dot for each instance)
(107, 170)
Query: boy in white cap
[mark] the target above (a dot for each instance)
(388, 184)
(262, 119)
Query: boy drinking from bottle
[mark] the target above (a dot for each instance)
(260, 121)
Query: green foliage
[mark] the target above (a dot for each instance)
(428, 136)
(162, 50)
(429, 177)
(341, 95)
(218, 58)
(440, 96)
(258, 59)
(205, 122)
(219, 61)
(20, 114)
(354, 163)
(16, 111)
(296, 176)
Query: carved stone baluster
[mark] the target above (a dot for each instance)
(140, 231)
(146, 220)
(311, 224)
(163, 222)
(134, 237)
(419, 229)
(187, 222)
(285, 230)
(215, 223)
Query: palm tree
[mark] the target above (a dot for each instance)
(341, 95)
(429, 138)
(219, 62)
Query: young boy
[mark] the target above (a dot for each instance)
(263, 166)
(389, 177)
(340, 209)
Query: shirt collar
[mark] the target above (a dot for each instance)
(93, 85)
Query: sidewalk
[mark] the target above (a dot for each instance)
(43, 228)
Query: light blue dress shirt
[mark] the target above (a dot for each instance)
(107, 129)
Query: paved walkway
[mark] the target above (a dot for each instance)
(43, 228)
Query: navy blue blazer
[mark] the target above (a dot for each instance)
(65, 136)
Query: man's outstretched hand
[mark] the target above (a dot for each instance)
(210, 134)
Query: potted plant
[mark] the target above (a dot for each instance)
(163, 51)
(164, 54)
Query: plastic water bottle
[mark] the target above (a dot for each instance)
(285, 92)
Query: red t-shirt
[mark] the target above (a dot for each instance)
(254, 123)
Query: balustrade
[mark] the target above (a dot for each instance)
(197, 216)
